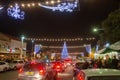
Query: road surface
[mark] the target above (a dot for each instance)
(12, 75)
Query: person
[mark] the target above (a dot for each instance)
(103, 63)
(114, 63)
(85, 65)
(107, 62)
(119, 64)
(99, 63)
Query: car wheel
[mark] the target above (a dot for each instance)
(5, 69)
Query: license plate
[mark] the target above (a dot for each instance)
(29, 73)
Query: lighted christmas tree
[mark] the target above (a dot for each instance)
(64, 52)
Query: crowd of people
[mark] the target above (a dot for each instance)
(112, 63)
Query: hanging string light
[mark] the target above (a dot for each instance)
(58, 5)
(59, 40)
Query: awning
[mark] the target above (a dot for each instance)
(108, 50)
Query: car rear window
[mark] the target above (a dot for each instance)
(20, 61)
(14, 61)
(31, 66)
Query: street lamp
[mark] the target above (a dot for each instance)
(22, 39)
(97, 29)
(32, 45)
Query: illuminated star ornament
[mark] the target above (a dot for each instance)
(16, 12)
(65, 6)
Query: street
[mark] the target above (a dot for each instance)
(9, 75)
(12, 75)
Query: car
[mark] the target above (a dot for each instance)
(16, 64)
(58, 67)
(35, 71)
(99, 74)
(3, 66)
(77, 67)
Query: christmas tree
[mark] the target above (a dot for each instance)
(64, 52)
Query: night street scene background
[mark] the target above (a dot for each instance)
(65, 36)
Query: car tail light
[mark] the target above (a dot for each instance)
(20, 70)
(58, 66)
(41, 72)
(80, 77)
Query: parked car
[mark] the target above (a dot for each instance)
(16, 64)
(99, 74)
(3, 66)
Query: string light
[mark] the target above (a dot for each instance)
(33, 4)
(39, 4)
(58, 1)
(46, 2)
(23, 5)
(62, 47)
(28, 5)
(52, 2)
(64, 39)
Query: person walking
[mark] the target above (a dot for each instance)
(114, 63)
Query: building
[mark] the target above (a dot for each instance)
(11, 46)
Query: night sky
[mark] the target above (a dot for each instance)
(43, 22)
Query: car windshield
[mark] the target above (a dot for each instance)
(14, 61)
(104, 78)
(20, 61)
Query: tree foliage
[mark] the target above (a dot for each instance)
(111, 27)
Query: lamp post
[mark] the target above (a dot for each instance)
(22, 39)
(32, 45)
(33, 48)
(99, 31)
